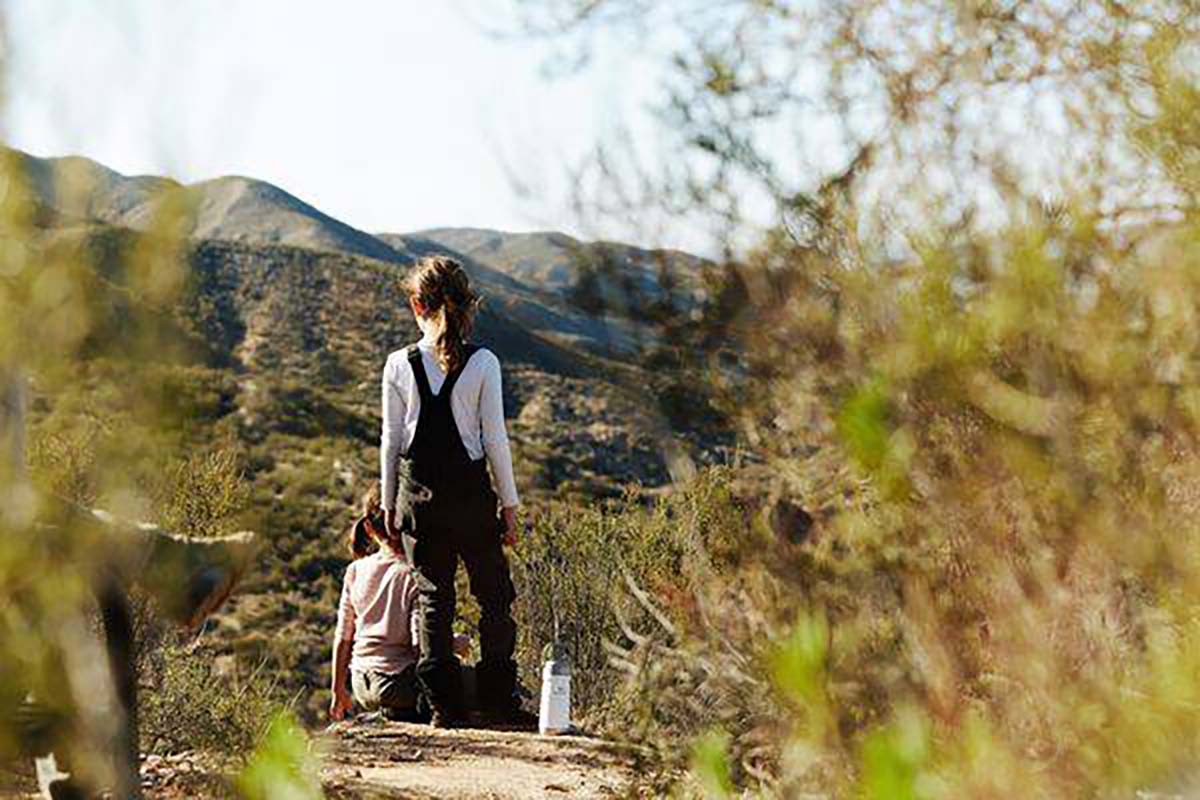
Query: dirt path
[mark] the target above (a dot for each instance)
(384, 759)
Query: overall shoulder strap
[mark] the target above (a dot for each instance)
(452, 379)
(418, 368)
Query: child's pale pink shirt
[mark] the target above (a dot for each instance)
(378, 611)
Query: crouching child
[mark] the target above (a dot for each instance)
(375, 643)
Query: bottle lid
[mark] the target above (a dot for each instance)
(556, 651)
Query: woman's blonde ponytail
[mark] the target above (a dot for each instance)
(441, 286)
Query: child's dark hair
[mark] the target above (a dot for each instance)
(362, 543)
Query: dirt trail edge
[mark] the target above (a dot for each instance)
(389, 759)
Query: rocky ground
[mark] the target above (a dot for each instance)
(416, 761)
(396, 760)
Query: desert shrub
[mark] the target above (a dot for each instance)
(1004, 481)
(186, 702)
(189, 397)
(198, 492)
(566, 571)
(588, 571)
(201, 494)
(190, 703)
(64, 460)
(974, 358)
(295, 408)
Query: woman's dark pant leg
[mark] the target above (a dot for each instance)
(432, 556)
(491, 583)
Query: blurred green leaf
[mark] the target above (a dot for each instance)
(893, 757)
(798, 666)
(282, 768)
(710, 764)
(862, 424)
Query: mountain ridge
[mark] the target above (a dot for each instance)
(232, 207)
(84, 188)
(581, 294)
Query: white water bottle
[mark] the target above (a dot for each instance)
(554, 714)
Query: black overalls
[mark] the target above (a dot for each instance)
(459, 521)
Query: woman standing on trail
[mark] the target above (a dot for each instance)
(442, 412)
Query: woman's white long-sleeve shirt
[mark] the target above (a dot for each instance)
(477, 406)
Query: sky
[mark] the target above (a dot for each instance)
(392, 116)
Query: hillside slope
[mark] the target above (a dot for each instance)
(544, 311)
(555, 262)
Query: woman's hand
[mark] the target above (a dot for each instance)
(462, 645)
(509, 515)
(340, 705)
